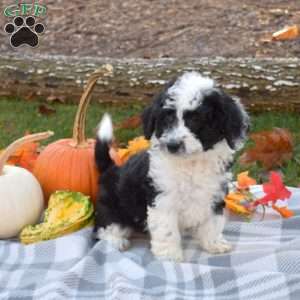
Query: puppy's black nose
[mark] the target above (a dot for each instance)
(174, 146)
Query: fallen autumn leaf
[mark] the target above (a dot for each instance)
(272, 148)
(287, 33)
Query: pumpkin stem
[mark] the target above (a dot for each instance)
(79, 124)
(16, 144)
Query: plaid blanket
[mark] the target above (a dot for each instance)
(265, 264)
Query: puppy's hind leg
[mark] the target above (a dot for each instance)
(108, 229)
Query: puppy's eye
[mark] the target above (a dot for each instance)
(168, 113)
(192, 116)
(193, 120)
(168, 116)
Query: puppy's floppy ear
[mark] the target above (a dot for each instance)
(150, 114)
(232, 119)
(148, 120)
(236, 122)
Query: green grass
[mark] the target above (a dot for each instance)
(19, 116)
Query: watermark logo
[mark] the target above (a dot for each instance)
(24, 28)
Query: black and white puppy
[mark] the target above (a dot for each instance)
(181, 181)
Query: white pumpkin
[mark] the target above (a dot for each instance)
(21, 196)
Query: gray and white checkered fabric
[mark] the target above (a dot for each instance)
(265, 264)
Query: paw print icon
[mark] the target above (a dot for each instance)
(24, 31)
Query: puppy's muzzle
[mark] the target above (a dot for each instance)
(174, 146)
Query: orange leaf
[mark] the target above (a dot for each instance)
(115, 156)
(284, 211)
(121, 155)
(235, 197)
(244, 181)
(134, 146)
(124, 155)
(287, 33)
(138, 144)
(272, 148)
(236, 208)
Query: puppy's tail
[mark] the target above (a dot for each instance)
(103, 142)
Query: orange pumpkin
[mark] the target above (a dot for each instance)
(69, 164)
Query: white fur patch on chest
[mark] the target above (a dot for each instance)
(187, 185)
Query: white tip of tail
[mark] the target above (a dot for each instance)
(105, 128)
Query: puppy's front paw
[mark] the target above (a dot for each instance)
(165, 251)
(116, 236)
(120, 244)
(217, 247)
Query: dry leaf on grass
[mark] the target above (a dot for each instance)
(272, 148)
(53, 98)
(30, 96)
(287, 33)
(46, 110)
(131, 123)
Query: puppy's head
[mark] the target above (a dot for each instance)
(191, 115)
